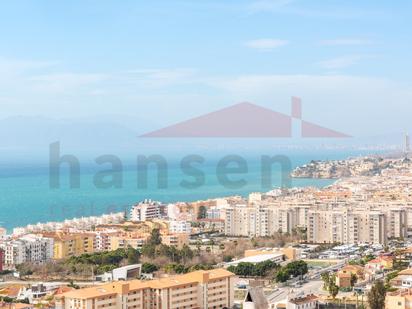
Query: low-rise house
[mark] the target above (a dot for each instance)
(344, 276)
(380, 264)
(402, 279)
(307, 302)
(343, 279)
(401, 299)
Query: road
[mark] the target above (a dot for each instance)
(315, 274)
(313, 286)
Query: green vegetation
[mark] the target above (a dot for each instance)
(227, 258)
(245, 269)
(388, 279)
(293, 269)
(5, 272)
(73, 285)
(202, 212)
(148, 268)
(353, 280)
(102, 261)
(362, 261)
(182, 269)
(329, 284)
(376, 296)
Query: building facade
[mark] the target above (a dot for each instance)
(199, 289)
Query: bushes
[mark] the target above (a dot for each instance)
(246, 269)
(182, 269)
(105, 261)
(293, 269)
(148, 268)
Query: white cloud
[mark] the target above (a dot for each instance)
(65, 82)
(346, 41)
(339, 62)
(266, 44)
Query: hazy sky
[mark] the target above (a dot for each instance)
(166, 61)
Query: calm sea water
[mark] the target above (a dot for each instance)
(26, 196)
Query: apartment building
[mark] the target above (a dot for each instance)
(13, 253)
(180, 227)
(237, 219)
(176, 240)
(102, 240)
(71, 244)
(29, 248)
(260, 220)
(1, 259)
(145, 210)
(397, 222)
(199, 289)
(123, 241)
(347, 226)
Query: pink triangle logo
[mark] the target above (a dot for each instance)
(246, 120)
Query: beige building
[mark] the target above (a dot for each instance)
(347, 226)
(124, 241)
(259, 220)
(199, 289)
(401, 299)
(71, 244)
(177, 240)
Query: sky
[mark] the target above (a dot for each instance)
(161, 62)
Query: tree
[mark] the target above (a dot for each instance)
(202, 212)
(353, 280)
(227, 258)
(325, 278)
(376, 296)
(332, 287)
(73, 285)
(149, 250)
(132, 256)
(186, 253)
(297, 268)
(282, 276)
(148, 268)
(155, 238)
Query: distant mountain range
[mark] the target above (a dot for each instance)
(23, 136)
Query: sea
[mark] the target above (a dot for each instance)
(27, 196)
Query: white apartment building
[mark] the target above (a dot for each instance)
(260, 220)
(397, 222)
(347, 226)
(28, 248)
(145, 210)
(180, 227)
